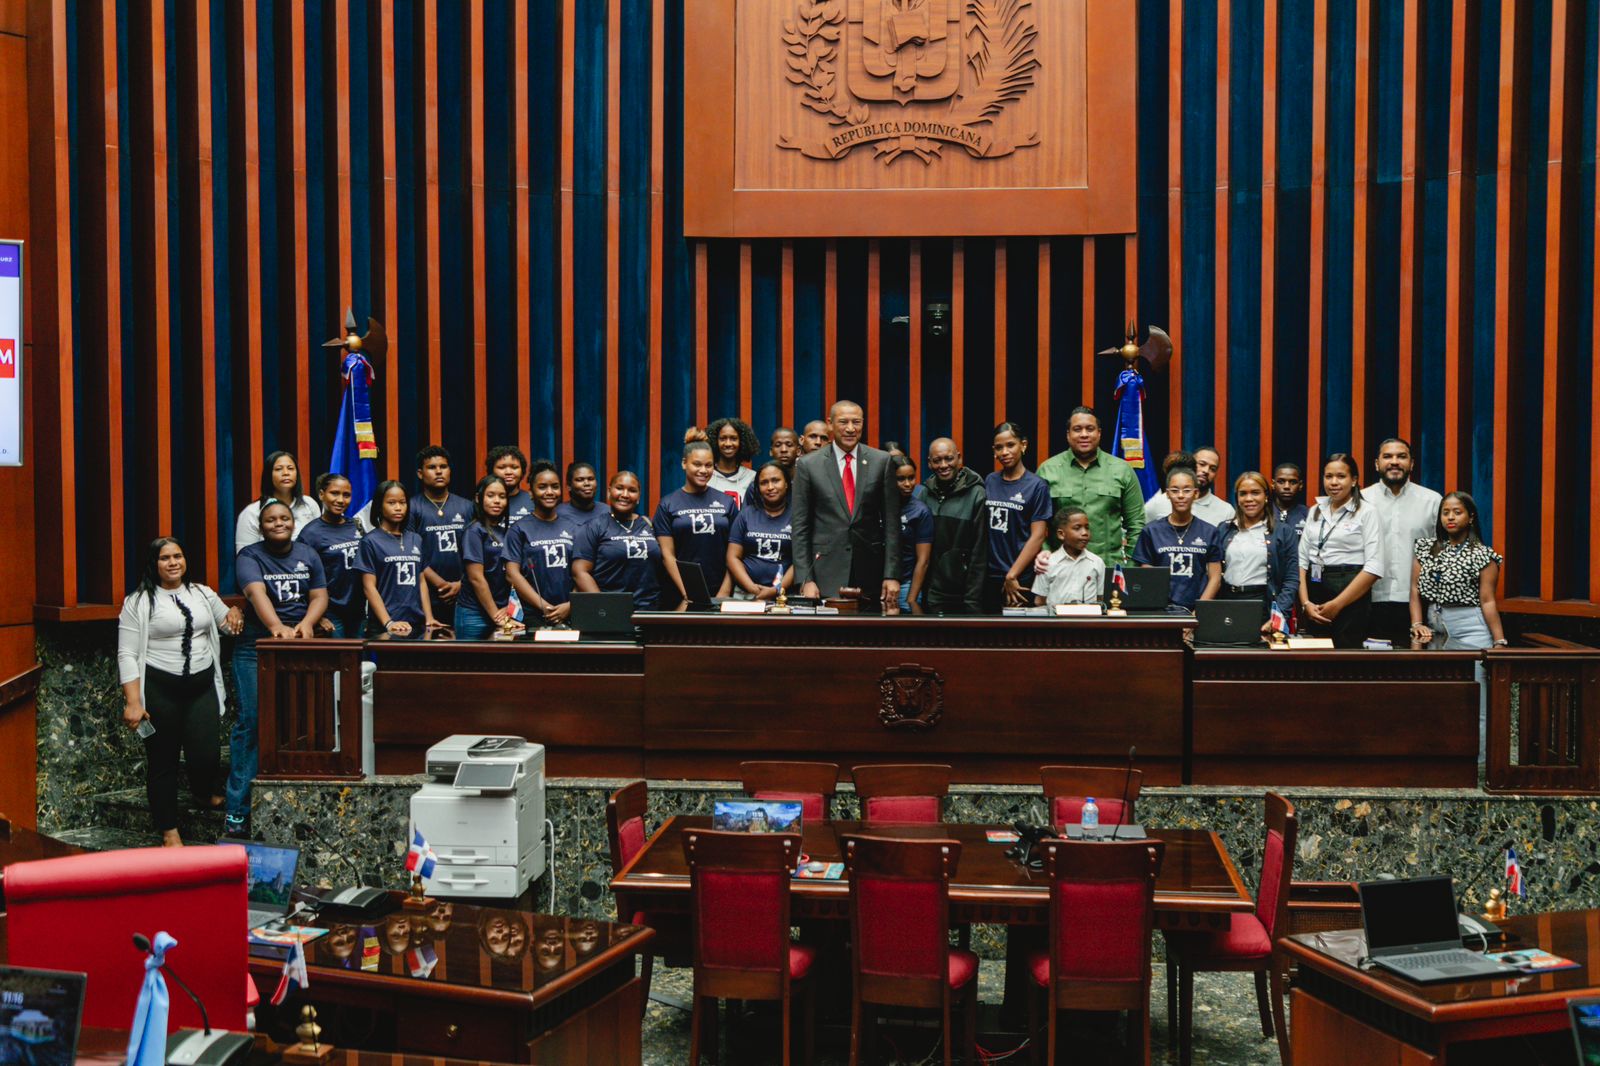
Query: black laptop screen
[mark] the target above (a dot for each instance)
(39, 1011)
(1420, 910)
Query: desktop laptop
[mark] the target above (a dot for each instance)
(39, 1016)
(1585, 1016)
(602, 615)
(756, 816)
(270, 882)
(694, 586)
(1412, 931)
(1148, 589)
(1229, 623)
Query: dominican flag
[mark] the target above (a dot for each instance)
(1129, 440)
(421, 960)
(355, 446)
(1280, 624)
(420, 858)
(1119, 580)
(294, 972)
(1514, 885)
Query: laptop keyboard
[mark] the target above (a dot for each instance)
(1460, 957)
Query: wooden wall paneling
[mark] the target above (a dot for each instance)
(1130, 276)
(430, 196)
(1503, 356)
(1316, 332)
(1594, 382)
(1174, 221)
(300, 294)
(200, 328)
(1046, 353)
(1455, 263)
(786, 336)
(1086, 338)
(746, 331)
(1223, 196)
(830, 323)
(569, 45)
(658, 181)
(913, 441)
(1408, 221)
(103, 212)
(158, 369)
(874, 341)
(702, 332)
(613, 231)
(1269, 223)
(1001, 299)
(1553, 565)
(480, 287)
(1358, 243)
(958, 337)
(389, 370)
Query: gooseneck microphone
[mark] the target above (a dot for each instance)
(1127, 783)
(1461, 896)
(142, 942)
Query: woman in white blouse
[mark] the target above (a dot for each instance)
(169, 654)
(280, 480)
(1341, 557)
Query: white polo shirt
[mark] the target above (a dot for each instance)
(1407, 518)
(1350, 537)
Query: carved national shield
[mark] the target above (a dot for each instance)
(903, 50)
(910, 697)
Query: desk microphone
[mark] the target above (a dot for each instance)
(1127, 783)
(189, 1047)
(1478, 926)
(142, 942)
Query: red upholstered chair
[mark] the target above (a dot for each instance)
(80, 913)
(626, 828)
(812, 783)
(1102, 903)
(1066, 787)
(1247, 945)
(739, 906)
(899, 922)
(902, 792)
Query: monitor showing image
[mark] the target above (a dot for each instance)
(39, 1012)
(271, 877)
(756, 816)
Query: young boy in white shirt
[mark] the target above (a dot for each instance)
(1075, 574)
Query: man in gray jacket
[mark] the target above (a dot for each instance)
(845, 511)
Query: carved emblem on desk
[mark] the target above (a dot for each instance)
(910, 697)
(917, 54)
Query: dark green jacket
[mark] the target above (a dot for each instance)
(960, 544)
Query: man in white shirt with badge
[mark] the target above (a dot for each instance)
(1207, 505)
(1409, 512)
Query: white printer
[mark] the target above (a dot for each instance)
(483, 815)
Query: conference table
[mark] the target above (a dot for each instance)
(1344, 1014)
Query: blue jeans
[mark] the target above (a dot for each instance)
(244, 754)
(470, 622)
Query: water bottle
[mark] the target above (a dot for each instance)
(1090, 817)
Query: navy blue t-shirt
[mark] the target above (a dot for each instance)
(1186, 561)
(1013, 508)
(336, 546)
(565, 509)
(519, 506)
(289, 578)
(765, 540)
(482, 545)
(397, 564)
(916, 527)
(624, 557)
(698, 525)
(441, 529)
(543, 552)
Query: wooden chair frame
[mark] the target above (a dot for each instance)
(879, 780)
(1101, 782)
(802, 777)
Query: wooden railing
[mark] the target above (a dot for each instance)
(305, 731)
(1544, 717)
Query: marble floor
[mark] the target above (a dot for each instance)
(1226, 1029)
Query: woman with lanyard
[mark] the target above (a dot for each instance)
(287, 592)
(482, 608)
(280, 480)
(1341, 556)
(539, 548)
(619, 552)
(336, 538)
(390, 564)
(1454, 576)
(1184, 544)
(169, 655)
(692, 524)
(1019, 521)
(1259, 556)
(759, 558)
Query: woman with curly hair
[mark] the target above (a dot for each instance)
(734, 444)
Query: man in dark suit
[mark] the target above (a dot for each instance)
(846, 516)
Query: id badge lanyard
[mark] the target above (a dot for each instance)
(1316, 554)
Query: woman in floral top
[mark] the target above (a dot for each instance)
(1454, 576)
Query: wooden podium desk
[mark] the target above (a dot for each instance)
(1342, 1014)
(995, 697)
(1346, 717)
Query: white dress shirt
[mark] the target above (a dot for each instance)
(1407, 518)
(1351, 537)
(1210, 507)
(1069, 580)
(1245, 564)
(838, 460)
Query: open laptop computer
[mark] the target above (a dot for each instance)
(602, 615)
(40, 1012)
(270, 883)
(694, 585)
(1229, 623)
(1585, 1016)
(1412, 931)
(1148, 589)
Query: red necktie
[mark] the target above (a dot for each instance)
(849, 484)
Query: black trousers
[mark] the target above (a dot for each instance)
(1392, 621)
(185, 713)
(1353, 625)
(994, 591)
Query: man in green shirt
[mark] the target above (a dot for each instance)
(1103, 485)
